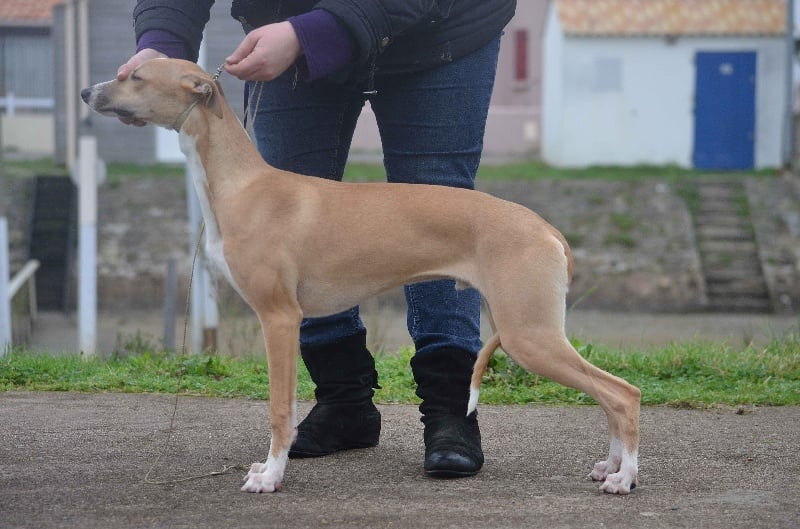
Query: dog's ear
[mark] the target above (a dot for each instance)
(206, 89)
(215, 104)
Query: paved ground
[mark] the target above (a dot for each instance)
(74, 460)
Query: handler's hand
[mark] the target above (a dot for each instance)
(126, 69)
(265, 53)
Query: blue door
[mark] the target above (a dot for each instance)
(725, 110)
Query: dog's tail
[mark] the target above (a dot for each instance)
(479, 369)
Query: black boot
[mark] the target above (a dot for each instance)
(452, 439)
(344, 416)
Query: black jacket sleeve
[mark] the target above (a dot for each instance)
(375, 24)
(183, 18)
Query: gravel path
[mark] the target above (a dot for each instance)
(75, 460)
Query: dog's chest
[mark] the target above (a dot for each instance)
(213, 238)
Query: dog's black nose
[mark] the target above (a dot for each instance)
(85, 94)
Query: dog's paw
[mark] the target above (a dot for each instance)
(266, 477)
(255, 468)
(619, 475)
(619, 483)
(264, 482)
(603, 469)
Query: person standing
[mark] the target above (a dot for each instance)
(427, 68)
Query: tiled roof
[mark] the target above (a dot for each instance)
(38, 11)
(672, 17)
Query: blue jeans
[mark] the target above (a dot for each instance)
(431, 125)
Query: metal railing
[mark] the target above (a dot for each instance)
(11, 103)
(10, 288)
(26, 276)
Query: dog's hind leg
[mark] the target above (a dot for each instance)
(530, 322)
(552, 356)
(281, 331)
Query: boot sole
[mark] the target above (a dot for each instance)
(300, 454)
(450, 474)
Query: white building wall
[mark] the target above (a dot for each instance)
(28, 133)
(770, 102)
(555, 141)
(629, 101)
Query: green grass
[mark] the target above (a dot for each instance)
(371, 172)
(115, 172)
(535, 170)
(119, 172)
(685, 375)
(31, 168)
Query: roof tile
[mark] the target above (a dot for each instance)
(672, 17)
(27, 10)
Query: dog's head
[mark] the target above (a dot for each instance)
(160, 91)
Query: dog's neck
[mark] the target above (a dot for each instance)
(181, 119)
(221, 145)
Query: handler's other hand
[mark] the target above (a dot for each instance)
(265, 53)
(126, 69)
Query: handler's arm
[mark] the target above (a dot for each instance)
(184, 19)
(375, 25)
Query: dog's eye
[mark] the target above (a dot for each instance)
(135, 77)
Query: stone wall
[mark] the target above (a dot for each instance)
(633, 241)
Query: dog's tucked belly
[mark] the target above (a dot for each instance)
(323, 298)
(316, 301)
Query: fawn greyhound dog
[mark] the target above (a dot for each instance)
(296, 246)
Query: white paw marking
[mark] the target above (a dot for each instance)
(603, 469)
(262, 483)
(256, 468)
(620, 472)
(267, 477)
(618, 483)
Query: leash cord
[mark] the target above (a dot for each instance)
(225, 469)
(248, 105)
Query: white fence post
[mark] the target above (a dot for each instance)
(203, 305)
(195, 304)
(5, 299)
(87, 246)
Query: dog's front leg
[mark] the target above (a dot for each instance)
(281, 333)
